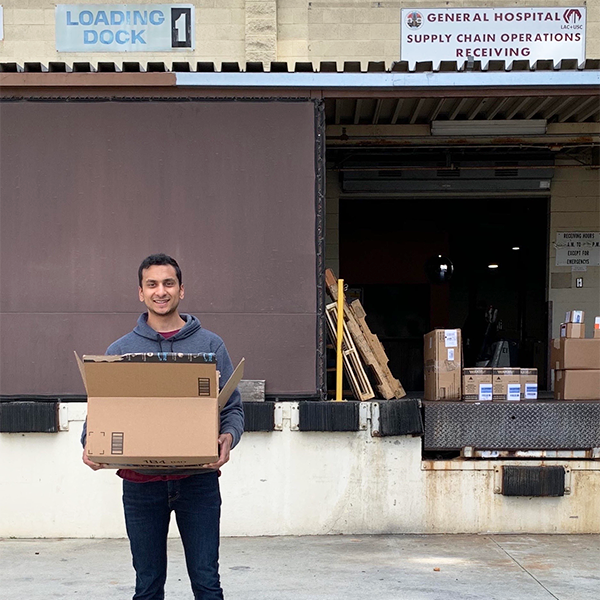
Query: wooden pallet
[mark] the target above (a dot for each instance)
(387, 384)
(359, 382)
(368, 344)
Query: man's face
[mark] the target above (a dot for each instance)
(160, 290)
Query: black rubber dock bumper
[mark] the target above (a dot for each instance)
(259, 416)
(400, 417)
(329, 416)
(533, 481)
(28, 417)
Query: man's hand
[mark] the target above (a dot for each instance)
(225, 441)
(92, 465)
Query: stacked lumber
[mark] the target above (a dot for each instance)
(369, 347)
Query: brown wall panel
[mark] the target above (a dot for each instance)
(50, 359)
(87, 190)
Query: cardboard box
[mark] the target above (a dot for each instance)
(507, 384)
(572, 330)
(574, 316)
(529, 384)
(443, 361)
(577, 384)
(477, 384)
(567, 353)
(154, 410)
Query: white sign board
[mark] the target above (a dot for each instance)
(1, 23)
(528, 33)
(124, 27)
(578, 248)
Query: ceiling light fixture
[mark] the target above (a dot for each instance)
(487, 128)
(493, 266)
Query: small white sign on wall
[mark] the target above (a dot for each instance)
(1, 23)
(577, 249)
(124, 27)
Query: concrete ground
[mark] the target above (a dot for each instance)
(386, 567)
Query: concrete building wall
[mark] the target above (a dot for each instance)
(266, 30)
(319, 483)
(338, 30)
(575, 206)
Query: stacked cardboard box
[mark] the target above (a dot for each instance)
(445, 379)
(443, 362)
(529, 384)
(577, 368)
(477, 384)
(576, 363)
(573, 327)
(507, 384)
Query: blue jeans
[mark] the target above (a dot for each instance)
(196, 501)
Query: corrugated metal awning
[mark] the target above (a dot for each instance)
(563, 93)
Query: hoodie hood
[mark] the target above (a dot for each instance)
(192, 325)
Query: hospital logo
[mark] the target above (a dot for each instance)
(414, 19)
(572, 15)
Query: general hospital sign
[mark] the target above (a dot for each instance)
(493, 34)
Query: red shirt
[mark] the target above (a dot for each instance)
(136, 477)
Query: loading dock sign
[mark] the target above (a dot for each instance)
(124, 27)
(578, 249)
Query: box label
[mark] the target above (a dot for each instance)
(514, 391)
(531, 391)
(485, 391)
(451, 354)
(203, 386)
(451, 338)
(116, 442)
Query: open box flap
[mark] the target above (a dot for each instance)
(121, 379)
(81, 370)
(231, 384)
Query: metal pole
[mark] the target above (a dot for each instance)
(340, 337)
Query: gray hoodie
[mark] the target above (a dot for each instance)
(192, 337)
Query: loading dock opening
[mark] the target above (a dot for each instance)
(388, 231)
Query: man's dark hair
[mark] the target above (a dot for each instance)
(158, 259)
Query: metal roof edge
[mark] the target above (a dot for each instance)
(392, 80)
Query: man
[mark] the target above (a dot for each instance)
(150, 496)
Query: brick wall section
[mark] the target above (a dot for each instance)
(575, 206)
(261, 30)
(267, 30)
(346, 30)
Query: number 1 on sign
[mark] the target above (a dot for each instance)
(181, 27)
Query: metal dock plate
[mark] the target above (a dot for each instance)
(512, 426)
